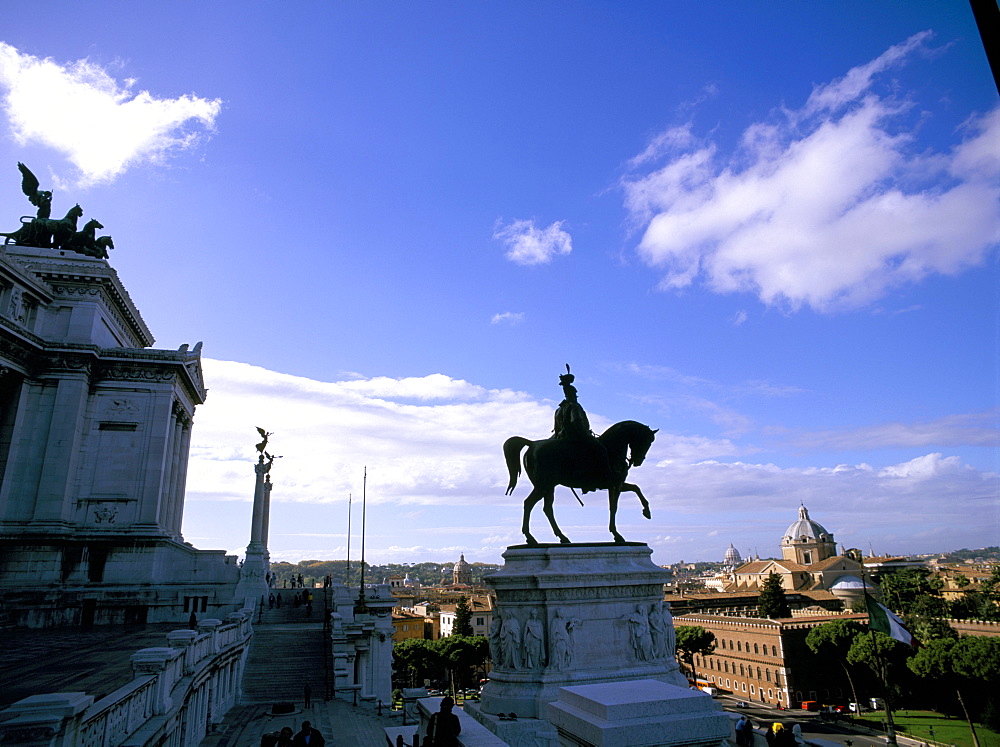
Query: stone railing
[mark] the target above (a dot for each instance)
(178, 690)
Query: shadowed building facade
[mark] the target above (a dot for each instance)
(95, 428)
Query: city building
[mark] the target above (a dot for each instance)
(462, 573)
(481, 606)
(768, 661)
(95, 427)
(809, 563)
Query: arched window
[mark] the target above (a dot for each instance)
(777, 677)
(742, 673)
(723, 642)
(767, 675)
(751, 690)
(755, 648)
(758, 672)
(774, 650)
(770, 694)
(747, 647)
(743, 686)
(738, 647)
(726, 665)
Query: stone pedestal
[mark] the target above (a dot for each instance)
(640, 713)
(570, 615)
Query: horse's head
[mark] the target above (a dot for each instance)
(93, 224)
(639, 445)
(74, 212)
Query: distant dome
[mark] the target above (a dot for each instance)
(806, 529)
(847, 582)
(732, 556)
(461, 564)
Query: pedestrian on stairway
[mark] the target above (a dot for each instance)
(308, 737)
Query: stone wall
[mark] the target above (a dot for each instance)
(178, 691)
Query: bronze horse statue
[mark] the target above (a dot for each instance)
(45, 232)
(570, 462)
(86, 242)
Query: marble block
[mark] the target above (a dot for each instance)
(639, 713)
(578, 614)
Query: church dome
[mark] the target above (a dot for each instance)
(732, 556)
(847, 582)
(461, 565)
(805, 529)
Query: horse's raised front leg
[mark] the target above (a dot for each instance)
(550, 496)
(628, 487)
(613, 495)
(529, 503)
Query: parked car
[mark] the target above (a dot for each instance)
(742, 704)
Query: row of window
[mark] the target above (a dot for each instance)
(745, 670)
(738, 686)
(741, 647)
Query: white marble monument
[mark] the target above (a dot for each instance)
(95, 428)
(576, 616)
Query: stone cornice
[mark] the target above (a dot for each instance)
(14, 272)
(65, 275)
(16, 351)
(34, 357)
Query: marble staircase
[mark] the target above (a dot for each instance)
(283, 657)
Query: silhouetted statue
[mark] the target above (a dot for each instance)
(43, 231)
(571, 420)
(39, 198)
(574, 457)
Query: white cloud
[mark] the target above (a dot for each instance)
(529, 245)
(510, 317)
(967, 429)
(436, 476)
(826, 206)
(102, 126)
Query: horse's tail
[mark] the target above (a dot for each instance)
(512, 454)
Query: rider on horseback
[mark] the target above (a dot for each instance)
(572, 424)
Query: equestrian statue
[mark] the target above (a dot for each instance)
(576, 458)
(42, 231)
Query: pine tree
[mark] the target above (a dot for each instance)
(463, 618)
(772, 602)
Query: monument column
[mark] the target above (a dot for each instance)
(266, 517)
(253, 575)
(257, 523)
(181, 483)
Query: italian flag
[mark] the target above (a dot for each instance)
(882, 619)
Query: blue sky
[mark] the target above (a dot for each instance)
(768, 229)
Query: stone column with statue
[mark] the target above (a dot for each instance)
(256, 567)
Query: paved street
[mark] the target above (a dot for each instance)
(814, 729)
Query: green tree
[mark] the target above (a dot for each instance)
(772, 602)
(836, 638)
(463, 617)
(982, 603)
(461, 654)
(885, 658)
(417, 659)
(969, 668)
(913, 591)
(693, 640)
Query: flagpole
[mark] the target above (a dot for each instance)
(890, 727)
(362, 607)
(347, 575)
